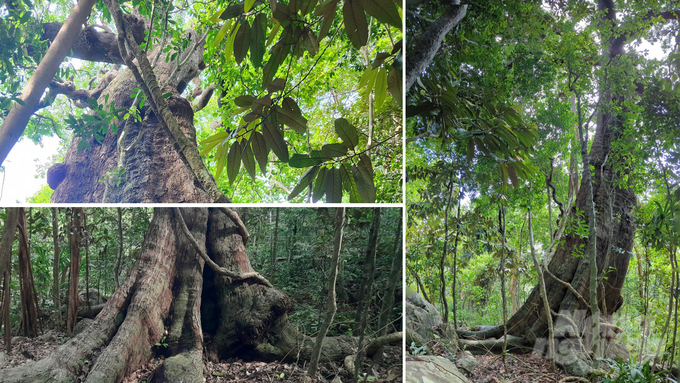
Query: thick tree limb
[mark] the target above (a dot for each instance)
(147, 80)
(427, 45)
(14, 124)
(217, 268)
(203, 98)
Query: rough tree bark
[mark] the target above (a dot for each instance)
(428, 43)
(30, 324)
(202, 310)
(159, 167)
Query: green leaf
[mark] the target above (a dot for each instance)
(167, 95)
(304, 181)
(319, 185)
(221, 158)
(277, 85)
(229, 48)
(289, 113)
(327, 10)
(350, 185)
(257, 39)
(260, 150)
(380, 88)
(232, 11)
(304, 160)
(215, 17)
(383, 10)
(333, 186)
(247, 5)
(272, 34)
(244, 101)
(394, 84)
(368, 78)
(355, 22)
(347, 132)
(222, 33)
(241, 42)
(305, 6)
(233, 161)
(275, 141)
(278, 53)
(213, 141)
(363, 175)
(334, 150)
(248, 160)
(379, 59)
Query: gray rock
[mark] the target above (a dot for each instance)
(47, 337)
(18, 338)
(573, 361)
(421, 316)
(433, 369)
(82, 325)
(186, 367)
(467, 364)
(2, 359)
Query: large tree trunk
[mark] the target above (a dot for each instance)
(169, 291)
(615, 231)
(154, 172)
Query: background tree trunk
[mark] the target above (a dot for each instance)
(332, 306)
(30, 324)
(55, 267)
(74, 269)
(393, 281)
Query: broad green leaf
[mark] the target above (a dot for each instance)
(383, 10)
(311, 43)
(349, 184)
(229, 49)
(368, 77)
(257, 40)
(347, 132)
(272, 5)
(363, 175)
(272, 34)
(275, 141)
(305, 6)
(247, 5)
(325, 7)
(222, 32)
(290, 114)
(232, 11)
(277, 85)
(379, 59)
(282, 14)
(394, 84)
(215, 137)
(260, 150)
(319, 185)
(513, 175)
(355, 22)
(241, 42)
(233, 161)
(221, 158)
(244, 101)
(304, 160)
(304, 181)
(334, 150)
(333, 186)
(380, 88)
(278, 54)
(215, 16)
(248, 160)
(327, 10)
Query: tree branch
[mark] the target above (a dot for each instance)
(218, 269)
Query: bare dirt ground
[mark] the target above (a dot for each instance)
(517, 369)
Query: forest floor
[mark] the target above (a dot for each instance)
(389, 369)
(520, 369)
